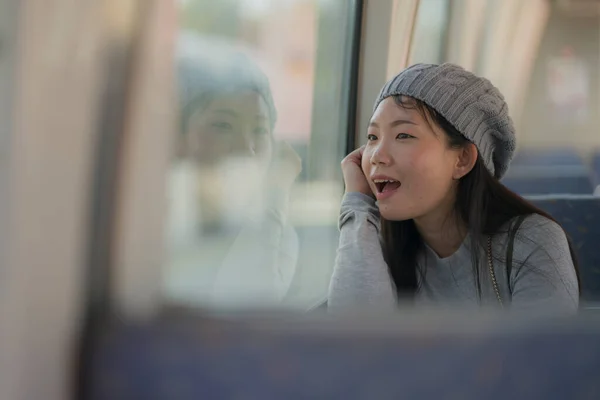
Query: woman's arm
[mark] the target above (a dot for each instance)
(260, 265)
(360, 276)
(543, 276)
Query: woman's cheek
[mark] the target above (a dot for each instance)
(365, 161)
(424, 162)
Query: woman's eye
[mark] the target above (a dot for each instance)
(371, 137)
(261, 131)
(404, 136)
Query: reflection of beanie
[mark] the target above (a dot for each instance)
(218, 72)
(471, 104)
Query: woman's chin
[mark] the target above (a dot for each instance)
(394, 214)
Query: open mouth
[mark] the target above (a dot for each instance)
(386, 185)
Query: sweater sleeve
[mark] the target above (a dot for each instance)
(543, 275)
(360, 276)
(260, 264)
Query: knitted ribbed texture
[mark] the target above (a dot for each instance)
(471, 104)
(224, 72)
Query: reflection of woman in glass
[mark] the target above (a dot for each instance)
(228, 117)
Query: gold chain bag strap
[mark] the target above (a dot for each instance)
(491, 269)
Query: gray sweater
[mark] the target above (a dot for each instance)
(542, 277)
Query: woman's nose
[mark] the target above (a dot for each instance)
(381, 154)
(245, 145)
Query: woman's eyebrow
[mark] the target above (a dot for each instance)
(394, 123)
(227, 111)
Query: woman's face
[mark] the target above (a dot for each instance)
(235, 125)
(409, 164)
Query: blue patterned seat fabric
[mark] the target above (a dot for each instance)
(548, 171)
(596, 169)
(217, 360)
(580, 217)
(547, 157)
(540, 185)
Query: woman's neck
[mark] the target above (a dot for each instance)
(443, 233)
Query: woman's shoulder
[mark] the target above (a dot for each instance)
(534, 232)
(534, 223)
(537, 225)
(543, 269)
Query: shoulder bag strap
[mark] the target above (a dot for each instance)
(510, 248)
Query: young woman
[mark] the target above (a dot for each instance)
(425, 218)
(229, 161)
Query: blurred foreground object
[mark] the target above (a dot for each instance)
(413, 357)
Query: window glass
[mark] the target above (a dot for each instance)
(551, 87)
(429, 36)
(550, 84)
(255, 185)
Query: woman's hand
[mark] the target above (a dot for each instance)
(285, 166)
(354, 177)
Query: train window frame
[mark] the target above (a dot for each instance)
(383, 29)
(45, 194)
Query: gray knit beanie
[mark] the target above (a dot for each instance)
(205, 69)
(471, 104)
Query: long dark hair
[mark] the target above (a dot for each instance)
(483, 204)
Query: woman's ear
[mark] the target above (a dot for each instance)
(467, 157)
